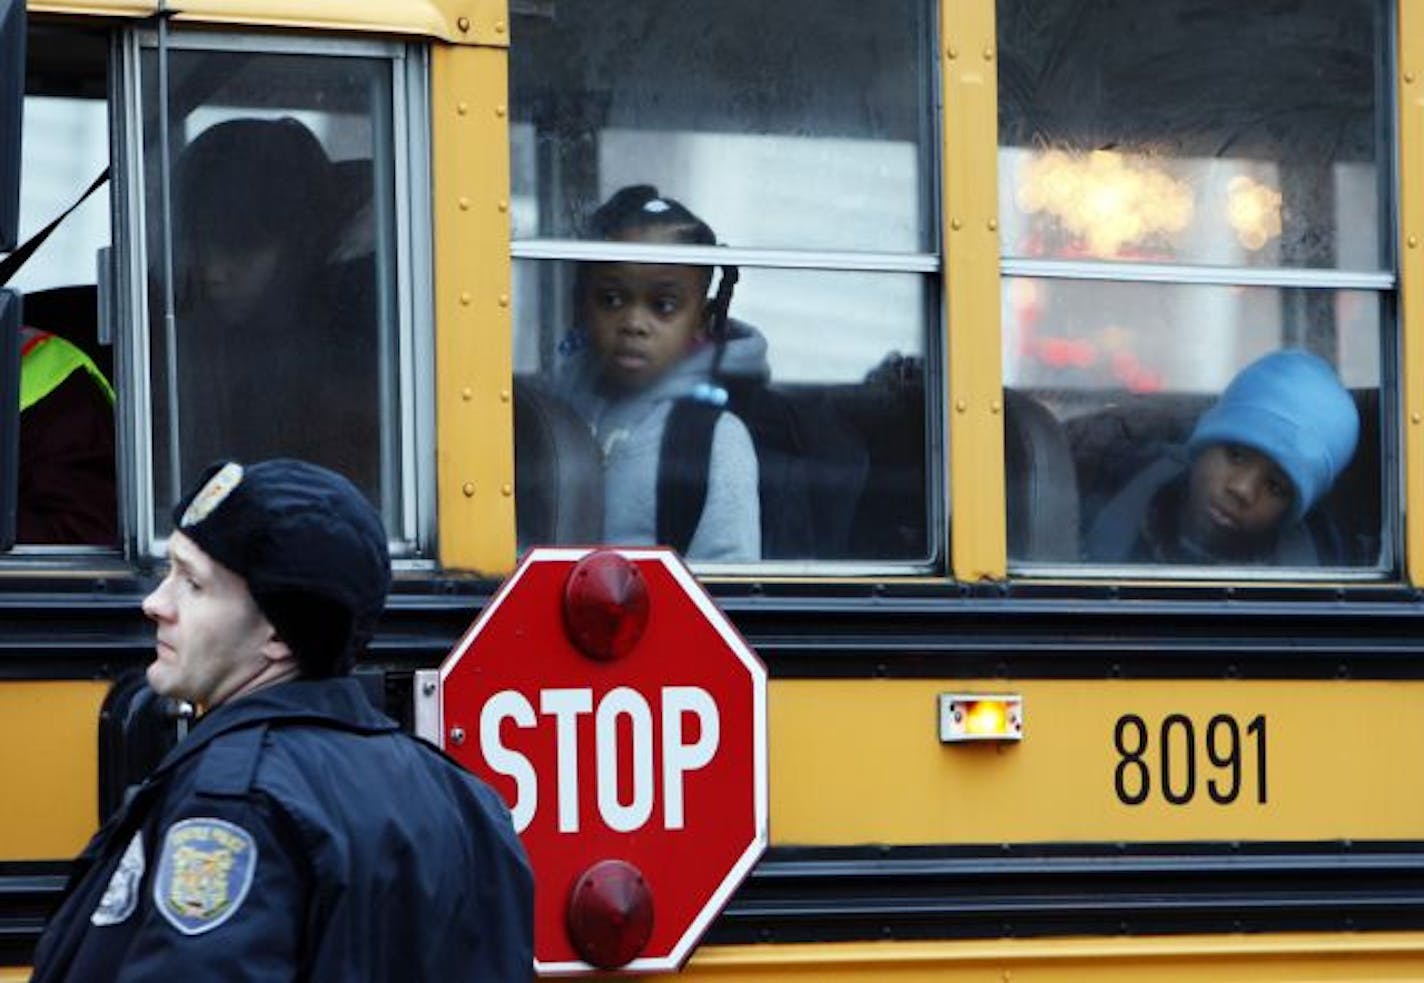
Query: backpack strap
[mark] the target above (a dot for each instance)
(684, 460)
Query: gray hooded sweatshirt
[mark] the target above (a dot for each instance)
(628, 427)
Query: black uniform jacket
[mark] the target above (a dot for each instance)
(296, 833)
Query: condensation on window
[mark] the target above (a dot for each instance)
(1193, 132)
(763, 127)
(1110, 422)
(800, 129)
(284, 337)
(1244, 142)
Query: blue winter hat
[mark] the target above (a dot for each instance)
(1291, 407)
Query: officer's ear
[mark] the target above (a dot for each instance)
(274, 649)
(313, 630)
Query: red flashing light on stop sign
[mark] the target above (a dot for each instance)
(605, 605)
(610, 914)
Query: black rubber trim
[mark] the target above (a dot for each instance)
(829, 894)
(858, 894)
(857, 631)
(29, 892)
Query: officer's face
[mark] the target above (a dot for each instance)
(214, 643)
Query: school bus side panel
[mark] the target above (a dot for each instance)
(48, 768)
(475, 452)
(860, 761)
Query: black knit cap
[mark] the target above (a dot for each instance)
(310, 546)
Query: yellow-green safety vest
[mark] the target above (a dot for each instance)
(46, 360)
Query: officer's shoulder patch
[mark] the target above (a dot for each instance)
(204, 873)
(121, 895)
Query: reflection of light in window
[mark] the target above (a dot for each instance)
(1254, 211)
(1105, 199)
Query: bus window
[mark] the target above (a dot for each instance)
(67, 487)
(814, 191)
(279, 266)
(1177, 211)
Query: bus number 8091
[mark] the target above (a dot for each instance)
(1188, 758)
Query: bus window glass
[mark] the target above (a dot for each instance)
(1190, 132)
(765, 132)
(1138, 429)
(65, 147)
(840, 437)
(67, 489)
(283, 340)
(767, 114)
(1198, 306)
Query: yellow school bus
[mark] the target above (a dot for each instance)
(1002, 266)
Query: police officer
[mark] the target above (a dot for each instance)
(295, 833)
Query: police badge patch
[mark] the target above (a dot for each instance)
(121, 896)
(211, 495)
(204, 873)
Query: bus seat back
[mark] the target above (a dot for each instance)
(558, 472)
(1041, 484)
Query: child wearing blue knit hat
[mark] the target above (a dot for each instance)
(1255, 465)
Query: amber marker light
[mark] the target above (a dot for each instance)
(980, 717)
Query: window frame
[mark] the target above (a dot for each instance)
(413, 545)
(929, 265)
(1386, 283)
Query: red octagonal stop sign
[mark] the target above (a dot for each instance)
(651, 751)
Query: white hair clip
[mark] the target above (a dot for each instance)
(656, 206)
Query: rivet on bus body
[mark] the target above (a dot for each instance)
(955, 224)
(952, 52)
(463, 23)
(1409, 78)
(995, 406)
(504, 300)
(462, 108)
(499, 27)
(504, 395)
(500, 110)
(467, 394)
(465, 298)
(502, 205)
(464, 204)
(1416, 416)
(469, 489)
(961, 405)
(1413, 241)
(507, 490)
(457, 735)
(988, 54)
(993, 224)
